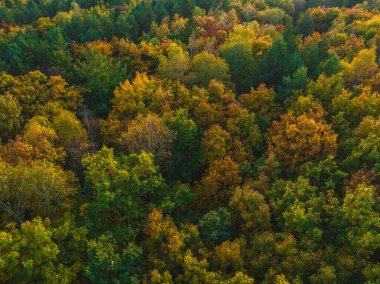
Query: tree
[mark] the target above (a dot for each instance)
(326, 174)
(294, 82)
(362, 67)
(229, 256)
(305, 104)
(108, 264)
(186, 154)
(297, 208)
(168, 248)
(250, 210)
(354, 108)
(360, 218)
(37, 189)
(206, 67)
(239, 58)
(99, 75)
(30, 254)
(122, 190)
(59, 52)
(248, 131)
(365, 154)
(126, 25)
(34, 90)
(144, 16)
(175, 65)
(278, 62)
(26, 90)
(215, 227)
(314, 53)
(151, 135)
(218, 183)
(10, 116)
(44, 140)
(326, 88)
(71, 135)
(215, 144)
(261, 101)
(272, 16)
(305, 24)
(147, 94)
(297, 139)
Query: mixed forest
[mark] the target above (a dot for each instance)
(190, 141)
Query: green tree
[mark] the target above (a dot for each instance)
(326, 88)
(98, 75)
(360, 218)
(278, 62)
(215, 227)
(175, 65)
(107, 263)
(238, 56)
(29, 254)
(127, 26)
(206, 67)
(186, 153)
(305, 24)
(122, 190)
(297, 208)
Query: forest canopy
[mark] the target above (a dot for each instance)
(190, 141)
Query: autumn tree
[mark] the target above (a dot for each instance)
(43, 139)
(215, 144)
(297, 139)
(218, 182)
(71, 135)
(34, 89)
(151, 135)
(261, 101)
(362, 67)
(10, 116)
(326, 88)
(250, 209)
(38, 189)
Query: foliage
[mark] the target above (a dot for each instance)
(189, 141)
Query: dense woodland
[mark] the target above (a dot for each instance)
(190, 141)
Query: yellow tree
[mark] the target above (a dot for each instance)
(297, 139)
(151, 135)
(10, 115)
(218, 183)
(215, 144)
(250, 209)
(362, 67)
(36, 189)
(261, 101)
